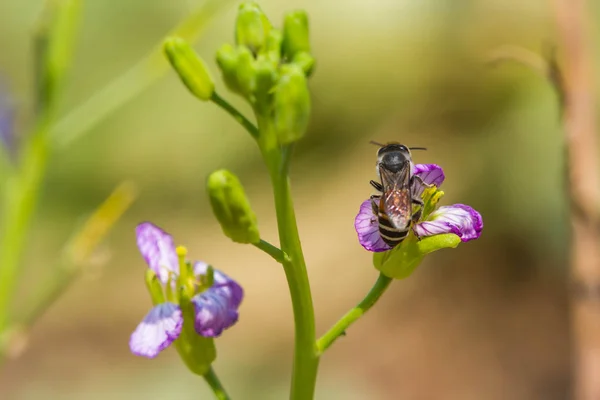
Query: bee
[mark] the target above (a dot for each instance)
(394, 205)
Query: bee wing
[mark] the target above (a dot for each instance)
(397, 206)
(395, 180)
(395, 201)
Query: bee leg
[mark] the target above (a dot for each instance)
(416, 200)
(421, 181)
(378, 186)
(374, 199)
(415, 218)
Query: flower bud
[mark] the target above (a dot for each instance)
(232, 208)
(227, 59)
(273, 47)
(401, 261)
(291, 105)
(252, 27)
(190, 68)
(246, 72)
(304, 61)
(266, 77)
(295, 33)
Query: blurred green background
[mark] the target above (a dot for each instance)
(485, 321)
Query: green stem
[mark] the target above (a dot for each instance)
(354, 314)
(19, 203)
(238, 116)
(273, 251)
(306, 359)
(213, 381)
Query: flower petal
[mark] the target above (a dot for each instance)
(431, 174)
(217, 307)
(226, 285)
(158, 250)
(161, 326)
(458, 219)
(367, 228)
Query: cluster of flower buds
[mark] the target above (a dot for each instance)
(268, 67)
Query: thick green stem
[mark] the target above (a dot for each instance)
(354, 314)
(214, 383)
(306, 359)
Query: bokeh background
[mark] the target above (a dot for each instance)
(485, 321)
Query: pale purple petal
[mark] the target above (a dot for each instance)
(367, 228)
(217, 307)
(158, 250)
(227, 286)
(431, 174)
(459, 219)
(161, 326)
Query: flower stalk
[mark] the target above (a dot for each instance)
(215, 384)
(339, 329)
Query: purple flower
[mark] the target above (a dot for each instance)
(458, 219)
(216, 307)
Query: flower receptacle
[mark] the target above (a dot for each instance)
(401, 261)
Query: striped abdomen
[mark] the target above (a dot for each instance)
(391, 235)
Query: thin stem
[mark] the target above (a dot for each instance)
(238, 116)
(581, 145)
(339, 329)
(273, 251)
(306, 359)
(213, 381)
(19, 203)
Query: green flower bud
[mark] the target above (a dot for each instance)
(227, 60)
(291, 105)
(304, 61)
(252, 27)
(401, 261)
(246, 72)
(232, 208)
(273, 48)
(266, 77)
(295, 33)
(190, 68)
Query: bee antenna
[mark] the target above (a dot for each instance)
(376, 143)
(418, 148)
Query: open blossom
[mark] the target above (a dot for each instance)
(459, 219)
(215, 307)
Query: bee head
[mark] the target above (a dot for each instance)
(393, 156)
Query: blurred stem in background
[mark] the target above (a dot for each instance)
(584, 192)
(53, 48)
(54, 44)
